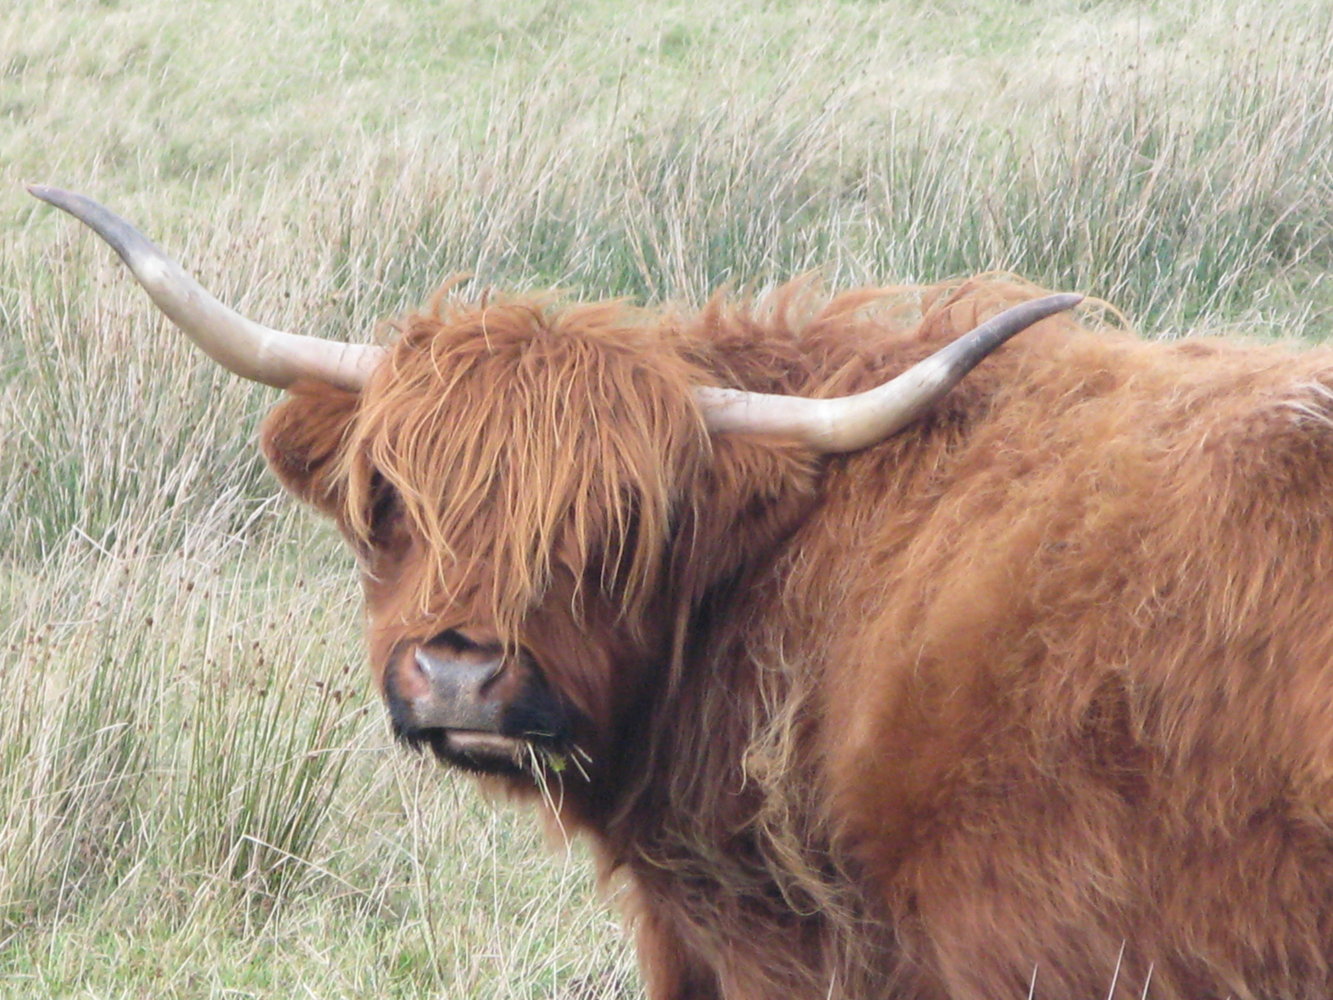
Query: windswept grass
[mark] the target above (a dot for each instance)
(197, 794)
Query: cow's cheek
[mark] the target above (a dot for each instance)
(386, 583)
(384, 624)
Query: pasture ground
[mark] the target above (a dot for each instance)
(198, 796)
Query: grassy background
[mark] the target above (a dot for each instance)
(197, 793)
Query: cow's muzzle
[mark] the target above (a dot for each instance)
(458, 692)
(476, 705)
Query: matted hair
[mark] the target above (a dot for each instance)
(566, 433)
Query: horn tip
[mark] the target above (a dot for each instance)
(58, 197)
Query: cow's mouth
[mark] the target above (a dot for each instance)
(486, 752)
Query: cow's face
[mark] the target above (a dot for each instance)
(511, 484)
(546, 692)
(448, 678)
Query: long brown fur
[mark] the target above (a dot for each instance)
(1031, 699)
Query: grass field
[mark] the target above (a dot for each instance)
(198, 794)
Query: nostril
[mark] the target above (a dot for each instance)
(426, 663)
(497, 668)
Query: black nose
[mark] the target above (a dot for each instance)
(441, 686)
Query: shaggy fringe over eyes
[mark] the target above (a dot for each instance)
(520, 435)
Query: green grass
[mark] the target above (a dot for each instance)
(197, 793)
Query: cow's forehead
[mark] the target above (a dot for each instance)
(520, 439)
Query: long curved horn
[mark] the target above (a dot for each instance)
(853, 422)
(238, 344)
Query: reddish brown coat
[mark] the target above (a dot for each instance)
(1037, 691)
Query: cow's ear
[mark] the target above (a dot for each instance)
(748, 498)
(301, 438)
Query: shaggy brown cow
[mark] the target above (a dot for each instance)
(1031, 698)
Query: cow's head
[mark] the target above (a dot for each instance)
(537, 496)
(512, 478)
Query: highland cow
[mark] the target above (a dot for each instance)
(1012, 686)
